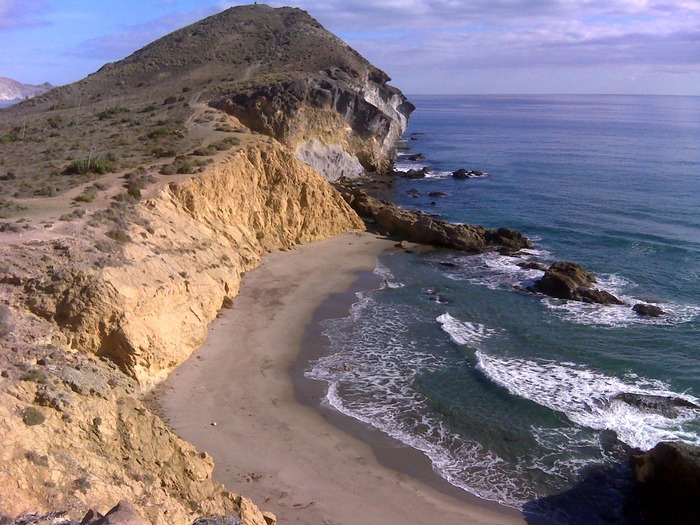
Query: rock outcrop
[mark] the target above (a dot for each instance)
(359, 121)
(648, 310)
(11, 90)
(567, 280)
(667, 485)
(421, 228)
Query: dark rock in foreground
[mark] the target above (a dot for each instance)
(667, 485)
(648, 310)
(421, 228)
(567, 280)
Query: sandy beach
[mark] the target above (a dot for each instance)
(235, 399)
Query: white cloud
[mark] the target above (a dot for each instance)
(18, 13)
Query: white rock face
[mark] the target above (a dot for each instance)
(13, 90)
(390, 108)
(330, 160)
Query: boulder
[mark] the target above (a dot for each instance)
(667, 485)
(415, 174)
(123, 513)
(567, 280)
(648, 310)
(466, 174)
(417, 156)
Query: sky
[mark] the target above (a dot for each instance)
(427, 47)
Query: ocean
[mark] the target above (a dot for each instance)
(511, 395)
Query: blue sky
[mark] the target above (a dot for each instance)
(438, 46)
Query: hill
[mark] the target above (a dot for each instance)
(11, 90)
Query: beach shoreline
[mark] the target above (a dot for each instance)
(236, 399)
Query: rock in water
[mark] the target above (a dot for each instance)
(567, 280)
(648, 310)
(667, 485)
(667, 406)
(417, 156)
(423, 229)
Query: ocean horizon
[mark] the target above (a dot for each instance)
(516, 397)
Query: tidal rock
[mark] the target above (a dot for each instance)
(648, 310)
(417, 156)
(667, 485)
(666, 406)
(567, 280)
(532, 265)
(438, 194)
(466, 174)
(421, 228)
(415, 174)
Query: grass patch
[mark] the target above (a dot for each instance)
(98, 166)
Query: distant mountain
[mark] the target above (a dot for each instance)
(13, 90)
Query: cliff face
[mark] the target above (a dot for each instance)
(144, 312)
(339, 124)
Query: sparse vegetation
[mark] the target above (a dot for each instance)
(5, 321)
(32, 416)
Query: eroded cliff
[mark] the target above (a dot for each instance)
(73, 430)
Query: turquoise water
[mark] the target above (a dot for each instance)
(512, 395)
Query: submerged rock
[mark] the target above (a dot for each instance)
(567, 280)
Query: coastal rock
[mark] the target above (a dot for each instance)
(422, 228)
(666, 406)
(466, 174)
(667, 485)
(567, 280)
(438, 194)
(417, 156)
(648, 310)
(414, 174)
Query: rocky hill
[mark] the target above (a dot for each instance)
(131, 203)
(11, 90)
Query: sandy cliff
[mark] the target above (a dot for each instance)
(73, 430)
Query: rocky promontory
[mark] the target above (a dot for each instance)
(421, 228)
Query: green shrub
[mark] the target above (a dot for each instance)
(97, 165)
(118, 235)
(35, 376)
(32, 416)
(5, 322)
(111, 112)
